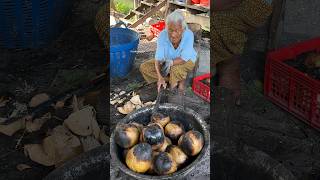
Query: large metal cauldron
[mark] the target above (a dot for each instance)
(189, 118)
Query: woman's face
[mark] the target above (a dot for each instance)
(175, 31)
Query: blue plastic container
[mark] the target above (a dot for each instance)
(123, 44)
(31, 23)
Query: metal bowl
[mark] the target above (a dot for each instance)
(189, 118)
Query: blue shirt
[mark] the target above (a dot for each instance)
(165, 49)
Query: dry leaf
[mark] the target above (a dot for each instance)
(113, 102)
(80, 122)
(138, 106)
(36, 124)
(62, 145)
(136, 100)
(10, 129)
(89, 143)
(36, 153)
(38, 99)
(127, 108)
(148, 103)
(22, 167)
(121, 110)
(59, 105)
(122, 93)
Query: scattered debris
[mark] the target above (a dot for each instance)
(37, 154)
(20, 139)
(122, 93)
(36, 124)
(136, 100)
(22, 167)
(89, 143)
(19, 110)
(4, 100)
(82, 122)
(38, 99)
(15, 126)
(148, 103)
(59, 105)
(61, 145)
(127, 108)
(25, 89)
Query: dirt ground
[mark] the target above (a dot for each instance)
(261, 124)
(78, 48)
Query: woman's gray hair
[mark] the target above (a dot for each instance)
(175, 17)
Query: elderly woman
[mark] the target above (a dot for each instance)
(232, 20)
(175, 55)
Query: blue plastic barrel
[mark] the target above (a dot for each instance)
(31, 23)
(123, 44)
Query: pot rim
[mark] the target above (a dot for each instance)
(182, 172)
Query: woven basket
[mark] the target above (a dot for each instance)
(101, 23)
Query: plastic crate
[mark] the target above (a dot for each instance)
(123, 44)
(201, 89)
(157, 28)
(31, 23)
(205, 3)
(291, 89)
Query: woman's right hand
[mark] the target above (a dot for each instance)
(221, 5)
(161, 82)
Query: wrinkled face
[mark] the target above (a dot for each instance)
(175, 31)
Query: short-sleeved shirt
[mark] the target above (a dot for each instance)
(185, 50)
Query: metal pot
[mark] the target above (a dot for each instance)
(93, 164)
(189, 118)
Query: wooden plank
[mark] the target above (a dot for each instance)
(138, 13)
(148, 14)
(147, 4)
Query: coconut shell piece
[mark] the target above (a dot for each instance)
(177, 154)
(153, 135)
(166, 143)
(83, 122)
(174, 130)
(139, 158)
(36, 153)
(164, 164)
(191, 142)
(136, 100)
(126, 135)
(160, 118)
(38, 99)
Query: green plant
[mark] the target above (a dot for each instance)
(123, 8)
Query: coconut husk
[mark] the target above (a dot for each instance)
(36, 153)
(38, 99)
(83, 122)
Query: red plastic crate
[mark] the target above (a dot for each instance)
(157, 28)
(291, 89)
(200, 88)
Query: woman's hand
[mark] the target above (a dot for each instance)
(161, 82)
(221, 5)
